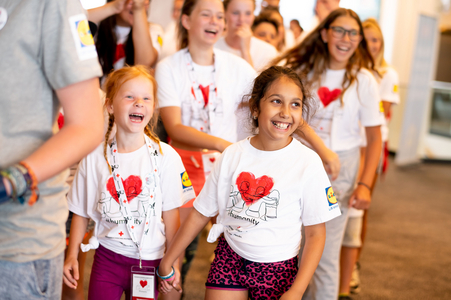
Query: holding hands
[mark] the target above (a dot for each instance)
(169, 281)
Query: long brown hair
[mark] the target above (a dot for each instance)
(312, 55)
(182, 33)
(112, 85)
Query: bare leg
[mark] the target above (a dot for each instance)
(348, 258)
(212, 294)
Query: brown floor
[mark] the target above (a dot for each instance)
(407, 254)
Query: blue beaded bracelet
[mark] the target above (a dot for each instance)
(167, 276)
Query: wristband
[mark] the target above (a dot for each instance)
(364, 184)
(24, 183)
(167, 276)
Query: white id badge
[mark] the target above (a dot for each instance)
(208, 160)
(143, 283)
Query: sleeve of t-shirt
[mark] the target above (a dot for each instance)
(156, 35)
(368, 91)
(318, 202)
(389, 86)
(69, 55)
(167, 92)
(174, 180)
(206, 202)
(77, 197)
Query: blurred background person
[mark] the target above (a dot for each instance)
(296, 28)
(239, 40)
(266, 30)
(170, 32)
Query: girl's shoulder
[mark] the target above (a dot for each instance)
(231, 62)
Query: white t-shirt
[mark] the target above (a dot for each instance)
(93, 195)
(233, 77)
(156, 35)
(261, 52)
(264, 197)
(338, 124)
(388, 91)
(388, 88)
(169, 40)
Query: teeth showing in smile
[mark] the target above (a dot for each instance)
(136, 117)
(211, 31)
(342, 49)
(280, 125)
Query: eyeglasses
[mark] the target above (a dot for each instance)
(339, 33)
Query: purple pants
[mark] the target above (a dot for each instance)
(111, 275)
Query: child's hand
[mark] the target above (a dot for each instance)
(70, 272)
(119, 5)
(290, 295)
(245, 34)
(174, 283)
(139, 4)
(361, 198)
(331, 163)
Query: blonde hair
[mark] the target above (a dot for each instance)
(312, 55)
(112, 85)
(379, 61)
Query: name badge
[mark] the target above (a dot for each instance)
(143, 283)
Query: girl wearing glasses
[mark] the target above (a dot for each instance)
(335, 60)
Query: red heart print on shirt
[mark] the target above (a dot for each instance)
(132, 186)
(326, 96)
(212, 159)
(253, 189)
(143, 283)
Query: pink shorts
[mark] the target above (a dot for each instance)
(229, 271)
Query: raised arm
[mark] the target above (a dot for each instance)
(179, 133)
(145, 53)
(99, 14)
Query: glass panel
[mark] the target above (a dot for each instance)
(441, 110)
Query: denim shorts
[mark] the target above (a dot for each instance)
(39, 279)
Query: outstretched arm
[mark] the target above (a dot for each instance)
(179, 133)
(315, 237)
(189, 230)
(171, 220)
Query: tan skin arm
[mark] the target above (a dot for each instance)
(82, 131)
(186, 137)
(98, 14)
(387, 107)
(171, 220)
(145, 53)
(190, 229)
(361, 197)
(315, 238)
(70, 270)
(330, 159)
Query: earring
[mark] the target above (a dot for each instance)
(255, 117)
